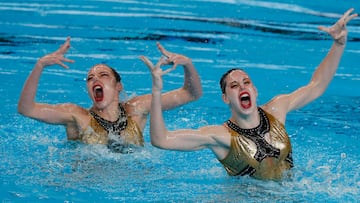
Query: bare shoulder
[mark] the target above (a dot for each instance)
(78, 119)
(278, 100)
(278, 107)
(221, 140)
(75, 114)
(138, 105)
(214, 129)
(139, 108)
(80, 116)
(139, 99)
(73, 108)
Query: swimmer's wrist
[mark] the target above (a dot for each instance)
(39, 64)
(156, 90)
(188, 63)
(340, 43)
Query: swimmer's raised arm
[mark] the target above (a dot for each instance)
(186, 139)
(44, 112)
(190, 91)
(322, 75)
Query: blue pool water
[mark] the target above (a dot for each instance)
(276, 42)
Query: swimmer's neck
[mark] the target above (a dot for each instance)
(111, 113)
(247, 121)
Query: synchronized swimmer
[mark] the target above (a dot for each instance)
(253, 141)
(109, 121)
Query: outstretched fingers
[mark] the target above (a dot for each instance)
(59, 54)
(172, 58)
(164, 61)
(147, 62)
(158, 65)
(163, 50)
(64, 47)
(338, 31)
(57, 57)
(62, 60)
(344, 19)
(347, 17)
(169, 69)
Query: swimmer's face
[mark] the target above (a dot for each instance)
(240, 93)
(103, 86)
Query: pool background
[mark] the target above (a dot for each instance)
(276, 42)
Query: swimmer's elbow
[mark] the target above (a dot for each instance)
(196, 93)
(22, 109)
(192, 93)
(158, 144)
(26, 110)
(160, 141)
(316, 90)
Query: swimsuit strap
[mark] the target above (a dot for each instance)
(113, 127)
(257, 135)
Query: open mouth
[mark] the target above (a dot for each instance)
(245, 100)
(98, 93)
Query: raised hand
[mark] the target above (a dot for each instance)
(173, 58)
(338, 31)
(156, 71)
(57, 57)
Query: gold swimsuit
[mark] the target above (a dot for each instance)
(119, 138)
(262, 152)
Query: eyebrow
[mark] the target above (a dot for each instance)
(247, 78)
(102, 71)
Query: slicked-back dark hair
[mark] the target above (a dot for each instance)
(116, 74)
(223, 81)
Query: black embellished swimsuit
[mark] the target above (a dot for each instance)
(264, 151)
(120, 136)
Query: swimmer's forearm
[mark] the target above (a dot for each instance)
(192, 81)
(27, 97)
(157, 125)
(327, 68)
(319, 82)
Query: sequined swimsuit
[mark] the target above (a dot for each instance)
(120, 136)
(263, 152)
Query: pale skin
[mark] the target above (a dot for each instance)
(217, 137)
(76, 118)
